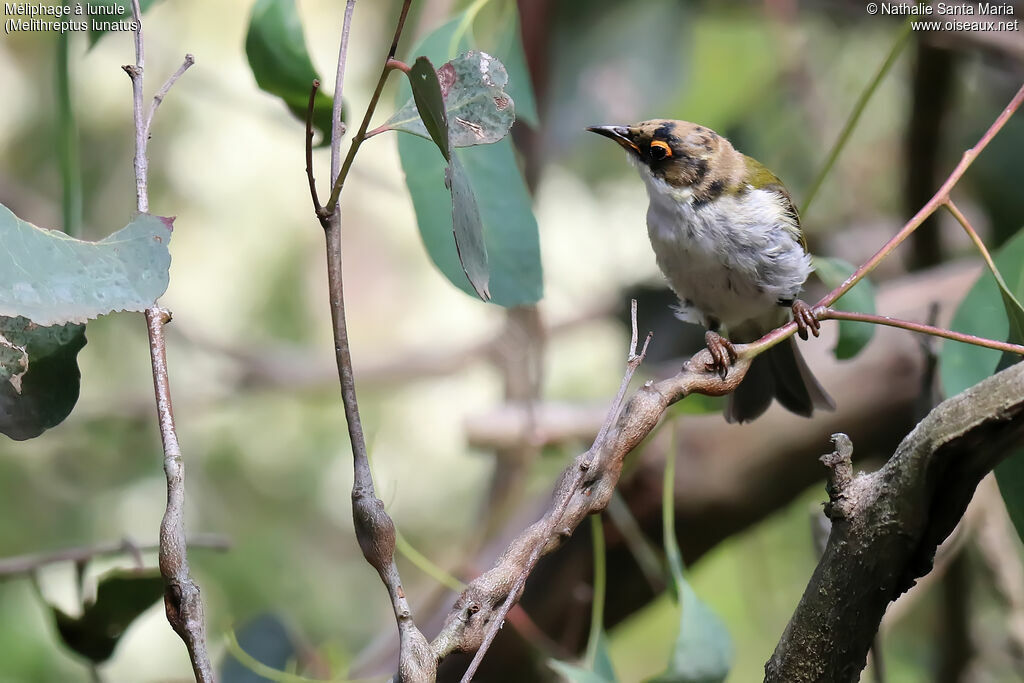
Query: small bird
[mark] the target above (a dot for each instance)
(727, 237)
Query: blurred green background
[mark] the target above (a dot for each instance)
(250, 349)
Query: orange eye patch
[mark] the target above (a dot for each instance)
(660, 149)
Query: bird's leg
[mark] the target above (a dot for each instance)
(805, 319)
(722, 352)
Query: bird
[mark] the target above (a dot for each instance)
(726, 235)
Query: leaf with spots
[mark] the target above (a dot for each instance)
(39, 376)
(51, 278)
(478, 110)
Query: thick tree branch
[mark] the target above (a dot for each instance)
(886, 526)
(182, 601)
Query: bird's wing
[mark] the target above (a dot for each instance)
(761, 178)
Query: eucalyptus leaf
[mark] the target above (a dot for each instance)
(853, 336)
(429, 100)
(703, 651)
(468, 229)
(51, 278)
(276, 48)
(577, 674)
(121, 596)
(39, 376)
(509, 228)
(479, 111)
(988, 310)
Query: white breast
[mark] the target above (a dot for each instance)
(731, 259)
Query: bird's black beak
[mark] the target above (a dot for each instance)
(619, 134)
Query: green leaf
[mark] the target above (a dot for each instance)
(577, 674)
(426, 92)
(853, 336)
(276, 48)
(990, 310)
(121, 597)
(468, 229)
(702, 652)
(51, 278)
(125, 15)
(602, 672)
(509, 228)
(478, 111)
(39, 376)
(509, 49)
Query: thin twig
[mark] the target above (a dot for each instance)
(833, 314)
(585, 469)
(164, 89)
(309, 150)
(181, 595)
(26, 564)
(973, 234)
(940, 198)
(338, 180)
(337, 126)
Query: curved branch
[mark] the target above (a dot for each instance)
(584, 488)
(886, 526)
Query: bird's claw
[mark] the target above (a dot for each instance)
(805, 319)
(723, 353)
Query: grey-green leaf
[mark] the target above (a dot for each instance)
(39, 376)
(479, 111)
(702, 652)
(51, 278)
(276, 48)
(509, 227)
(426, 93)
(853, 336)
(468, 229)
(987, 311)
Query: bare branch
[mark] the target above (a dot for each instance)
(181, 595)
(26, 564)
(584, 488)
(309, 152)
(886, 526)
(375, 531)
(337, 126)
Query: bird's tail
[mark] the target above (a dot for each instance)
(780, 373)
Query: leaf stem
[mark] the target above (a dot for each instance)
(338, 179)
(67, 143)
(940, 198)
(832, 314)
(858, 109)
(599, 587)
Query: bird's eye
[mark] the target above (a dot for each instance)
(660, 150)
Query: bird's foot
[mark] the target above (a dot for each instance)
(805, 319)
(723, 353)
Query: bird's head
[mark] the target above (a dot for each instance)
(684, 155)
